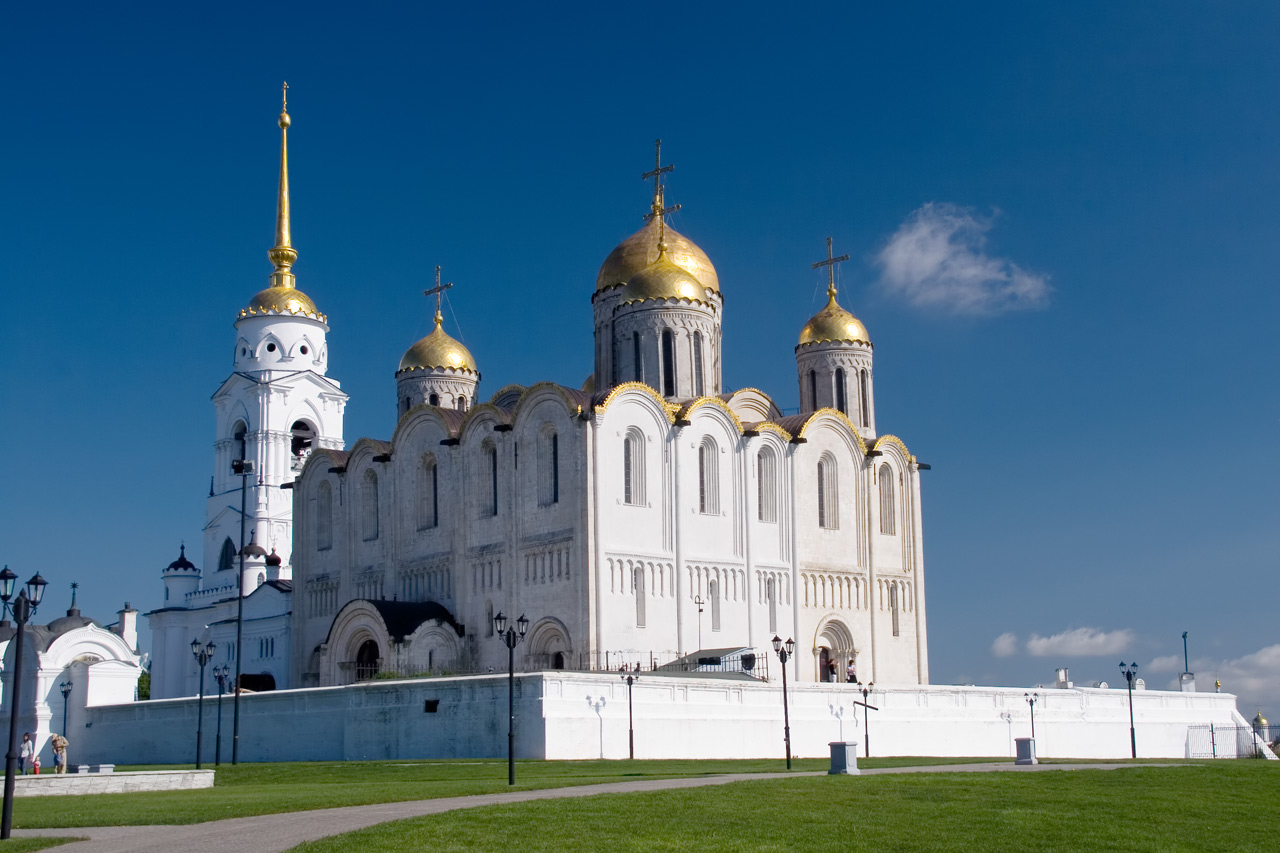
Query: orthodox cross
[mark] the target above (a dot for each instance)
(437, 291)
(284, 96)
(830, 264)
(74, 587)
(658, 171)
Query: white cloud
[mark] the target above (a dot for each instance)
(1167, 663)
(1080, 642)
(1006, 645)
(937, 259)
(1253, 678)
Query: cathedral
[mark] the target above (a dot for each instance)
(650, 516)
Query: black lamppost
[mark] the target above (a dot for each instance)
(866, 718)
(512, 637)
(1130, 671)
(65, 687)
(1031, 700)
(23, 608)
(243, 467)
(220, 674)
(631, 720)
(785, 651)
(203, 653)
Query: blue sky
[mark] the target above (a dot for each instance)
(1062, 221)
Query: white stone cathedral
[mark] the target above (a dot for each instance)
(649, 516)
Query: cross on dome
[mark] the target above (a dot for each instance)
(659, 190)
(830, 264)
(438, 290)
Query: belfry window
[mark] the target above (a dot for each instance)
(887, 503)
(668, 364)
(303, 439)
(227, 558)
(699, 388)
(841, 404)
(633, 468)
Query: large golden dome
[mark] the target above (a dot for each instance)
(437, 351)
(663, 280)
(833, 323)
(641, 249)
(282, 300)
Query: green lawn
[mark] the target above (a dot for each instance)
(1226, 806)
(253, 789)
(26, 845)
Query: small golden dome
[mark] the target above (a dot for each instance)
(437, 351)
(833, 323)
(663, 280)
(282, 300)
(641, 249)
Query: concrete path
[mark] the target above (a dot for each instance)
(279, 832)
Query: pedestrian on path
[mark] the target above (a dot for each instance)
(28, 752)
(60, 753)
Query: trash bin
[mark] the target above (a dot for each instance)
(1026, 750)
(844, 758)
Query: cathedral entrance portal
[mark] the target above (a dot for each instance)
(367, 660)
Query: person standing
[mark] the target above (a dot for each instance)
(850, 673)
(60, 753)
(28, 752)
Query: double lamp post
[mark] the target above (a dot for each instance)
(23, 608)
(512, 636)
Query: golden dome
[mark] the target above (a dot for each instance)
(641, 249)
(833, 323)
(437, 351)
(663, 280)
(282, 300)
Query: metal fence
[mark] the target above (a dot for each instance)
(1214, 741)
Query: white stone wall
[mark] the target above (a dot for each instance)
(561, 716)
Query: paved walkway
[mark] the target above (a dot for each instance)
(279, 832)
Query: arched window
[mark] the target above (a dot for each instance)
(862, 397)
(828, 493)
(491, 461)
(324, 517)
(887, 503)
(462, 402)
(434, 399)
(548, 467)
(227, 557)
(771, 595)
(708, 478)
(699, 388)
(813, 390)
(428, 493)
(637, 586)
(637, 368)
(841, 403)
(894, 605)
(767, 484)
(668, 363)
(713, 592)
(303, 439)
(633, 473)
(369, 507)
(240, 434)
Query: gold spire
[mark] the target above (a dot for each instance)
(833, 323)
(282, 254)
(438, 351)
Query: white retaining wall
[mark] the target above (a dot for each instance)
(560, 716)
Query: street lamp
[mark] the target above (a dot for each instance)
(1031, 700)
(866, 718)
(512, 637)
(23, 608)
(202, 653)
(1130, 671)
(631, 720)
(785, 651)
(243, 467)
(220, 674)
(698, 600)
(65, 687)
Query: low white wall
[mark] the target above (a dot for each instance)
(572, 715)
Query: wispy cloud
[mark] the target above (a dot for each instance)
(1252, 677)
(1080, 642)
(1005, 646)
(937, 259)
(1166, 663)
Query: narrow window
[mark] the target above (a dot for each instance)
(369, 506)
(227, 559)
(771, 594)
(828, 493)
(555, 468)
(428, 507)
(548, 465)
(862, 378)
(637, 369)
(633, 473)
(637, 586)
(492, 453)
(713, 591)
(886, 500)
(462, 402)
(699, 389)
(766, 485)
(324, 521)
(708, 478)
(840, 400)
(434, 399)
(668, 364)
(893, 605)
(813, 390)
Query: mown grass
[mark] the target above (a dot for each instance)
(1222, 806)
(25, 845)
(254, 789)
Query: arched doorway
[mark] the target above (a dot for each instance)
(367, 660)
(826, 666)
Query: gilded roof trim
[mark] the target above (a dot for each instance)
(893, 439)
(691, 301)
(688, 409)
(770, 426)
(669, 409)
(837, 415)
(505, 388)
(575, 401)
